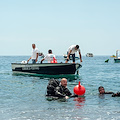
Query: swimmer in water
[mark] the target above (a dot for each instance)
(102, 91)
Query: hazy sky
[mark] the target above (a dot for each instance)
(56, 24)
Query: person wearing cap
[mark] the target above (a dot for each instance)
(35, 53)
(71, 51)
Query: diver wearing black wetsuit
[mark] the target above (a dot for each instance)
(102, 91)
(62, 91)
(59, 89)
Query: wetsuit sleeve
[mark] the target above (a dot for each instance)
(73, 95)
(67, 92)
(116, 94)
(109, 92)
(58, 92)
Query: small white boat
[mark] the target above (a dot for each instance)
(117, 58)
(89, 55)
(113, 56)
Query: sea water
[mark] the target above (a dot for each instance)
(22, 97)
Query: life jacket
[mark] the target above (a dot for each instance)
(53, 83)
(54, 60)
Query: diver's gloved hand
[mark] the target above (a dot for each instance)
(116, 94)
(74, 95)
(41, 62)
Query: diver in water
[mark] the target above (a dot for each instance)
(59, 89)
(102, 91)
(62, 90)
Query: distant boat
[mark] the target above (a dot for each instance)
(46, 68)
(113, 56)
(65, 57)
(117, 58)
(89, 55)
(107, 60)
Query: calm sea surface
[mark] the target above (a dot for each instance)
(22, 97)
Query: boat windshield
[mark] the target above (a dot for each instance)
(118, 54)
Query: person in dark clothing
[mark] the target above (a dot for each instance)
(53, 83)
(62, 90)
(116, 94)
(102, 91)
(58, 89)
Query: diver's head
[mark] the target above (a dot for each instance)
(101, 90)
(64, 82)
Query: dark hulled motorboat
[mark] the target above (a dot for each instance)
(46, 68)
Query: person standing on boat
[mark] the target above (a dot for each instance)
(50, 57)
(71, 51)
(35, 53)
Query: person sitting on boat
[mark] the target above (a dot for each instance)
(41, 55)
(50, 57)
(71, 51)
(102, 91)
(35, 53)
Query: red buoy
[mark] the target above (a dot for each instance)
(79, 89)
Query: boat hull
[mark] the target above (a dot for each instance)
(117, 60)
(46, 68)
